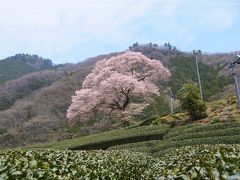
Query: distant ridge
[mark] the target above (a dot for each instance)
(20, 64)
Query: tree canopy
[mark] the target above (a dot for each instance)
(120, 86)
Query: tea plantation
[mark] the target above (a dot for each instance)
(110, 138)
(194, 151)
(188, 135)
(200, 162)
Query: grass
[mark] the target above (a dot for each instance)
(224, 110)
(110, 138)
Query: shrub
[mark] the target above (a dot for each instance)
(201, 162)
(3, 130)
(208, 133)
(190, 101)
(199, 128)
(194, 134)
(191, 162)
(6, 138)
(50, 164)
(111, 138)
(165, 146)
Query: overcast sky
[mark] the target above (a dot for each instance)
(72, 30)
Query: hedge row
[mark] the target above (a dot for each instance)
(164, 146)
(145, 147)
(201, 162)
(73, 165)
(192, 162)
(199, 128)
(110, 138)
(160, 147)
(185, 127)
(208, 133)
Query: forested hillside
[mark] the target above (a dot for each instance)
(182, 66)
(184, 70)
(33, 107)
(36, 104)
(15, 66)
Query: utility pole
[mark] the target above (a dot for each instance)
(197, 52)
(171, 104)
(232, 66)
(169, 96)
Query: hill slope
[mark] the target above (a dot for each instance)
(15, 66)
(38, 114)
(162, 134)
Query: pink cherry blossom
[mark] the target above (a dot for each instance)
(120, 86)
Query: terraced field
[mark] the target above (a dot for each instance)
(193, 151)
(196, 134)
(153, 140)
(110, 138)
(191, 162)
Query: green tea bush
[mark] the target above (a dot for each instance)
(163, 146)
(110, 138)
(209, 133)
(201, 162)
(65, 164)
(199, 128)
(157, 148)
(191, 162)
(219, 133)
(148, 147)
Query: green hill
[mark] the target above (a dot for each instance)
(33, 107)
(166, 132)
(15, 66)
(162, 147)
(184, 71)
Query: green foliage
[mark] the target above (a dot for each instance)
(201, 162)
(194, 128)
(110, 138)
(191, 102)
(148, 121)
(13, 69)
(3, 131)
(216, 120)
(64, 165)
(209, 133)
(184, 71)
(6, 137)
(195, 134)
(157, 107)
(158, 148)
(192, 162)
(20, 64)
(171, 119)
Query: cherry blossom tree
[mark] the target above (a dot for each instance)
(120, 86)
